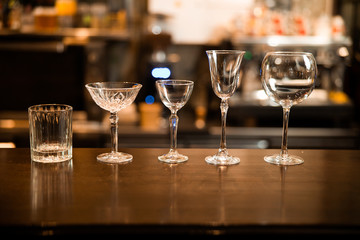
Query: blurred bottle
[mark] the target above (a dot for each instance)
(45, 19)
(1, 15)
(66, 11)
(323, 26)
(338, 26)
(12, 14)
(83, 16)
(150, 115)
(99, 13)
(118, 20)
(117, 14)
(27, 17)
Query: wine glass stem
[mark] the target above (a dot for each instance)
(173, 120)
(114, 131)
(224, 106)
(284, 150)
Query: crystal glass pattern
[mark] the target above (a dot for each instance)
(113, 97)
(50, 130)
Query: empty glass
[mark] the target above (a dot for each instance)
(50, 129)
(225, 79)
(287, 78)
(174, 94)
(114, 96)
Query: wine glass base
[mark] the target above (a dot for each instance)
(115, 157)
(222, 160)
(289, 160)
(173, 157)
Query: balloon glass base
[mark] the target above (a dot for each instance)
(115, 157)
(173, 157)
(289, 160)
(222, 159)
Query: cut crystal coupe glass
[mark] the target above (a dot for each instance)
(113, 97)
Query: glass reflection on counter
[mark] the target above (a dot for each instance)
(283, 170)
(173, 213)
(222, 170)
(51, 188)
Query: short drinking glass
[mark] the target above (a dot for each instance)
(50, 129)
(287, 78)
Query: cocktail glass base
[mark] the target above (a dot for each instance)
(288, 160)
(222, 159)
(115, 157)
(173, 157)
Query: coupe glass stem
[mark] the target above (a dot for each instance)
(173, 120)
(284, 150)
(224, 106)
(114, 131)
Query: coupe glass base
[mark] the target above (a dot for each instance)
(115, 157)
(220, 159)
(289, 160)
(173, 157)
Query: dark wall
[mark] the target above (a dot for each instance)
(32, 77)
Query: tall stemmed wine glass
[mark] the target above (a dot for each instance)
(225, 79)
(112, 97)
(174, 94)
(287, 78)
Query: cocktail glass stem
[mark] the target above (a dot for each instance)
(114, 131)
(224, 106)
(173, 120)
(284, 150)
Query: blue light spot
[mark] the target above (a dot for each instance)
(149, 99)
(161, 72)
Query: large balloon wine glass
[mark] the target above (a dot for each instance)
(287, 78)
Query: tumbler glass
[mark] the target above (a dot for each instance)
(50, 128)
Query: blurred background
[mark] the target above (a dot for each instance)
(49, 50)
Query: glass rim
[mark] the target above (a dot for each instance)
(287, 53)
(175, 81)
(41, 107)
(113, 85)
(226, 51)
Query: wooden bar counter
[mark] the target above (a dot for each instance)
(86, 197)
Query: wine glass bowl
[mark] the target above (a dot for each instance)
(174, 94)
(288, 78)
(224, 68)
(113, 97)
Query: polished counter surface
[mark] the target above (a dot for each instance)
(87, 197)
